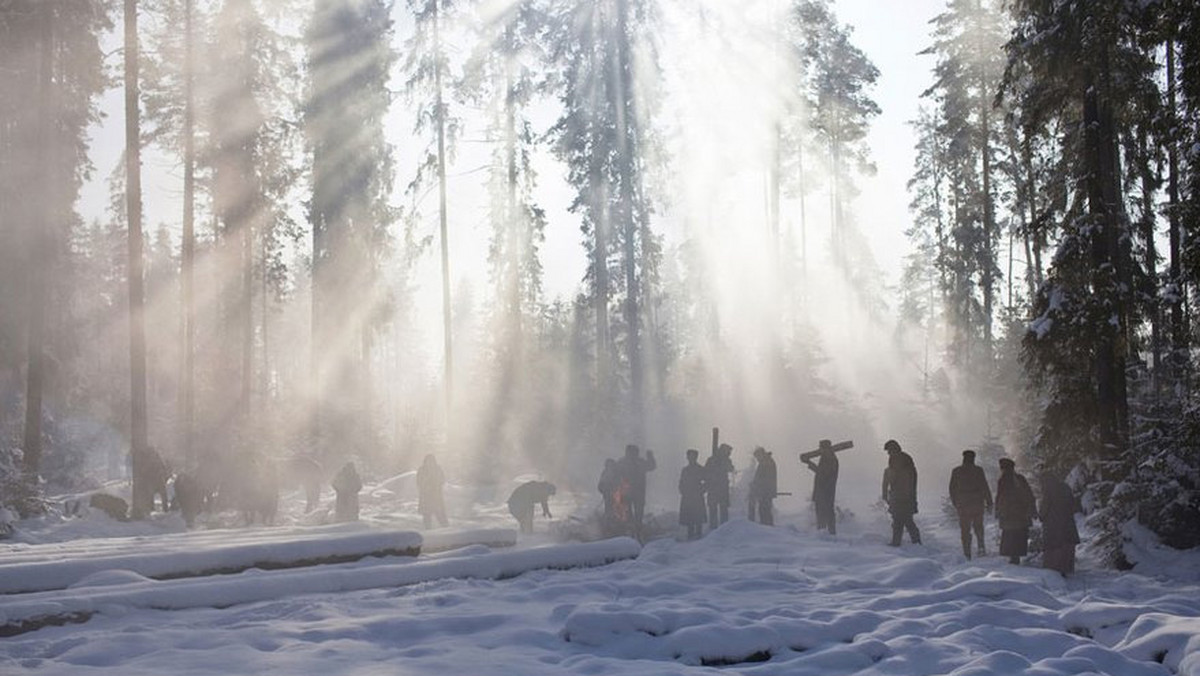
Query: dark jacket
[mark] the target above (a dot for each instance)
(1015, 504)
(825, 481)
(717, 469)
(900, 483)
(633, 469)
(765, 483)
(531, 493)
(691, 495)
(969, 489)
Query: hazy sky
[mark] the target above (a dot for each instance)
(890, 32)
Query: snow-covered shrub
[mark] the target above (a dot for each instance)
(20, 494)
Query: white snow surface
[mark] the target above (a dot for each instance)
(744, 599)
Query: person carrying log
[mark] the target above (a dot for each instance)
(825, 481)
(717, 469)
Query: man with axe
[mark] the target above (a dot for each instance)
(825, 481)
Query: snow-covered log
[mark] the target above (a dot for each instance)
(445, 540)
(211, 559)
(28, 612)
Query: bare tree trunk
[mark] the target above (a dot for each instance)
(1179, 327)
(447, 338)
(137, 319)
(188, 245)
(39, 244)
(989, 228)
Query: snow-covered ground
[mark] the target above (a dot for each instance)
(744, 599)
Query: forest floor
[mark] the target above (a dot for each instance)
(743, 599)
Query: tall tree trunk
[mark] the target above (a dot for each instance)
(1147, 226)
(989, 227)
(803, 212)
(626, 128)
(447, 338)
(1179, 328)
(1106, 257)
(138, 437)
(246, 312)
(39, 243)
(188, 245)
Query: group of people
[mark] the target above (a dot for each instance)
(704, 499)
(622, 485)
(1015, 508)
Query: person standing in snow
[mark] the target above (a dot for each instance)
(971, 496)
(691, 495)
(430, 501)
(523, 499)
(633, 469)
(763, 488)
(824, 484)
(1015, 509)
(717, 469)
(900, 492)
(347, 483)
(1059, 533)
(609, 481)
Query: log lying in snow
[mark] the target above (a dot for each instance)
(445, 540)
(30, 612)
(323, 548)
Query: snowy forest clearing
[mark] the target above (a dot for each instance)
(758, 599)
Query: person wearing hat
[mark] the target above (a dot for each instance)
(824, 484)
(763, 488)
(1015, 509)
(900, 492)
(971, 496)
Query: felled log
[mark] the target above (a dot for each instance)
(839, 446)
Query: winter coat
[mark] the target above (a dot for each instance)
(633, 469)
(1015, 504)
(825, 481)
(717, 469)
(347, 483)
(691, 496)
(900, 484)
(969, 489)
(528, 494)
(1058, 515)
(765, 483)
(430, 479)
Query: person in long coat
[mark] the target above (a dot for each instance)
(824, 485)
(431, 503)
(691, 495)
(763, 487)
(1059, 533)
(900, 492)
(717, 469)
(972, 497)
(1015, 509)
(347, 484)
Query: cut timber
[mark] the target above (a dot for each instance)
(296, 552)
(839, 446)
(28, 612)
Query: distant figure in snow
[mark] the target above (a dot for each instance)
(824, 485)
(347, 484)
(1059, 534)
(306, 472)
(608, 487)
(691, 495)
(972, 497)
(717, 469)
(189, 499)
(523, 499)
(430, 502)
(900, 492)
(763, 488)
(151, 482)
(1015, 509)
(632, 470)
